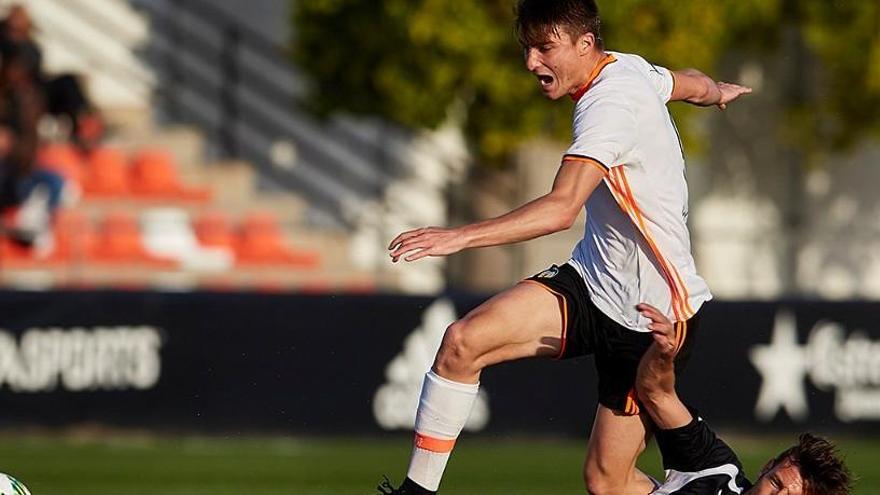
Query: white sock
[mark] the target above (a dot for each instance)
(444, 408)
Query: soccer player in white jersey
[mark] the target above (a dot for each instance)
(697, 462)
(626, 167)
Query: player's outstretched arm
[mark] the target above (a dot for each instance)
(550, 213)
(655, 381)
(697, 88)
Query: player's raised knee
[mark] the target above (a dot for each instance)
(604, 477)
(600, 482)
(457, 354)
(597, 484)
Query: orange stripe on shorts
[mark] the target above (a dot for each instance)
(683, 330)
(437, 445)
(632, 406)
(562, 298)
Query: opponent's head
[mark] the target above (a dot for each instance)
(812, 467)
(561, 41)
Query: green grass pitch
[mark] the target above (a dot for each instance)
(127, 465)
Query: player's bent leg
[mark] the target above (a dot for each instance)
(615, 444)
(524, 321)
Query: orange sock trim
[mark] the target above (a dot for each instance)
(435, 445)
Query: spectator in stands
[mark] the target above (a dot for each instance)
(63, 94)
(22, 184)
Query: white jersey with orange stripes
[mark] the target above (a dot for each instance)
(636, 245)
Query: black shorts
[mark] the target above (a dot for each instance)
(617, 350)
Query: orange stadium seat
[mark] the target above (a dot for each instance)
(15, 255)
(71, 233)
(119, 241)
(214, 229)
(154, 175)
(260, 241)
(107, 173)
(12, 253)
(62, 159)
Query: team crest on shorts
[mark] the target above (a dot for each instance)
(549, 273)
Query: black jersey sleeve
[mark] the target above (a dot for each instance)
(694, 447)
(698, 462)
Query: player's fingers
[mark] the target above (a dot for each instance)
(409, 241)
(397, 240)
(734, 86)
(419, 255)
(407, 247)
(722, 106)
(651, 316)
(650, 312)
(660, 327)
(740, 91)
(645, 307)
(403, 255)
(409, 234)
(404, 236)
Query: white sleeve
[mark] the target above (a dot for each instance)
(604, 130)
(661, 78)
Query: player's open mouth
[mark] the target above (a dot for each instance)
(545, 80)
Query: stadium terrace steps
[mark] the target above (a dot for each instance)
(105, 39)
(347, 169)
(234, 183)
(123, 235)
(97, 249)
(133, 121)
(139, 277)
(184, 143)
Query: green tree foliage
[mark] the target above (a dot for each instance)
(414, 61)
(845, 36)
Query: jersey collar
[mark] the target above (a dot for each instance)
(609, 59)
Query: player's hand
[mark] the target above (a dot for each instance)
(429, 241)
(661, 328)
(730, 92)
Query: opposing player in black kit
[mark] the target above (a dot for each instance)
(697, 462)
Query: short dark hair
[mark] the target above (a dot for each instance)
(822, 470)
(537, 19)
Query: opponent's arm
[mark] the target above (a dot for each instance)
(699, 89)
(553, 212)
(655, 381)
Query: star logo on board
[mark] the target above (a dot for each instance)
(783, 365)
(396, 401)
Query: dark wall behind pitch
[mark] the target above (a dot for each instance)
(353, 364)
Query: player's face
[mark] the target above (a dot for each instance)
(557, 62)
(782, 479)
